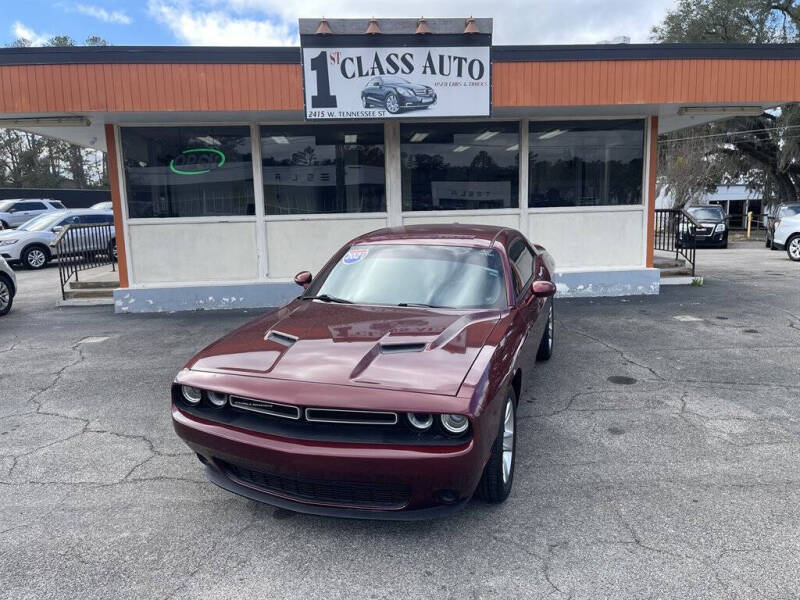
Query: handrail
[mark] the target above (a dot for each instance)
(82, 247)
(675, 231)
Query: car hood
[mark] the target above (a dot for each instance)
(411, 349)
(16, 234)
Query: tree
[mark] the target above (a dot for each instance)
(30, 160)
(762, 151)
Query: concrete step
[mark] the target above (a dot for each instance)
(82, 285)
(680, 271)
(89, 293)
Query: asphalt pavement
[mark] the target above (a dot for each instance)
(657, 458)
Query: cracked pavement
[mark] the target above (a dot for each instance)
(657, 458)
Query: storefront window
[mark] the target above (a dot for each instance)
(455, 166)
(188, 171)
(586, 163)
(323, 169)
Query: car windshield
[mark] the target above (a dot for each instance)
(42, 222)
(706, 213)
(416, 275)
(6, 204)
(790, 211)
(396, 80)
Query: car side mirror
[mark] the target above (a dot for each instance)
(303, 279)
(57, 229)
(543, 288)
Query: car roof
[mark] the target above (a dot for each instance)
(464, 234)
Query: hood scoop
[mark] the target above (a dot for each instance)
(400, 348)
(284, 339)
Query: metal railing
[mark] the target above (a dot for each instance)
(83, 247)
(675, 231)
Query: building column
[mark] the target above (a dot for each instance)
(115, 181)
(524, 177)
(650, 209)
(394, 195)
(262, 255)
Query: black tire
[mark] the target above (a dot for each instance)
(6, 295)
(725, 246)
(4, 225)
(791, 251)
(31, 257)
(494, 487)
(548, 339)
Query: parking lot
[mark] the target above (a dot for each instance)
(658, 457)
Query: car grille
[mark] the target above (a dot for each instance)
(350, 417)
(384, 495)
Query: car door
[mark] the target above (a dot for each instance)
(24, 211)
(373, 90)
(522, 261)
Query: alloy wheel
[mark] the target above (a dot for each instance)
(36, 258)
(391, 104)
(5, 295)
(508, 440)
(794, 248)
(550, 328)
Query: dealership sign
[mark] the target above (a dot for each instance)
(405, 82)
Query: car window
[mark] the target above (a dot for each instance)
(790, 211)
(95, 219)
(706, 213)
(57, 204)
(410, 274)
(30, 206)
(521, 259)
(72, 220)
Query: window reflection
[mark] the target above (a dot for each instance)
(586, 163)
(452, 166)
(188, 171)
(323, 169)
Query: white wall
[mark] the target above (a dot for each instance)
(591, 239)
(166, 251)
(294, 246)
(487, 219)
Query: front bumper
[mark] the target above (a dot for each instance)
(416, 101)
(355, 480)
(716, 240)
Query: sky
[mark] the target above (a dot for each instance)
(274, 22)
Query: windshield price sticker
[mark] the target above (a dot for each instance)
(355, 255)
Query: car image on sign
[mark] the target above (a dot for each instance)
(396, 93)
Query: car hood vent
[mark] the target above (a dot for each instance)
(398, 348)
(284, 339)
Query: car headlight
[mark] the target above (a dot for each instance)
(719, 228)
(191, 394)
(218, 399)
(420, 421)
(8, 242)
(454, 423)
(404, 92)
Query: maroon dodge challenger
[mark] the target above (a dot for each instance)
(389, 388)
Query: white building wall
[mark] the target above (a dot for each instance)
(165, 251)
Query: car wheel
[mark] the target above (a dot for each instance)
(6, 299)
(793, 247)
(4, 225)
(498, 475)
(546, 345)
(392, 105)
(35, 257)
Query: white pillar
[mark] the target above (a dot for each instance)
(523, 177)
(394, 196)
(262, 257)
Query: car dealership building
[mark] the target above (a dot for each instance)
(231, 169)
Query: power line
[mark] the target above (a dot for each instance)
(728, 134)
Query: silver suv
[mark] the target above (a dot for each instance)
(8, 287)
(14, 213)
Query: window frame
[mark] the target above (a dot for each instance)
(526, 285)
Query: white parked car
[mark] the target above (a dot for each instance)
(102, 206)
(787, 236)
(8, 287)
(29, 244)
(14, 213)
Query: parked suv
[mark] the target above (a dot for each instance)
(779, 212)
(787, 235)
(30, 243)
(8, 287)
(712, 229)
(396, 93)
(14, 213)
